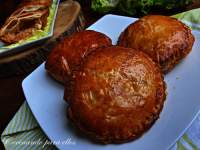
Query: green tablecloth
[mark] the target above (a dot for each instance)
(23, 131)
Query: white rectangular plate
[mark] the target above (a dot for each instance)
(45, 98)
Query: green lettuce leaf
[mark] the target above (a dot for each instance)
(104, 6)
(39, 33)
(133, 7)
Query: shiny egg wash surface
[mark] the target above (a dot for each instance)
(118, 93)
(67, 55)
(166, 40)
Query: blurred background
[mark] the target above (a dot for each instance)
(138, 8)
(96, 8)
(12, 96)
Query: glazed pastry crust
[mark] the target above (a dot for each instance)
(117, 95)
(67, 55)
(166, 40)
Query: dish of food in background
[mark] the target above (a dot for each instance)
(67, 55)
(29, 17)
(35, 21)
(166, 40)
